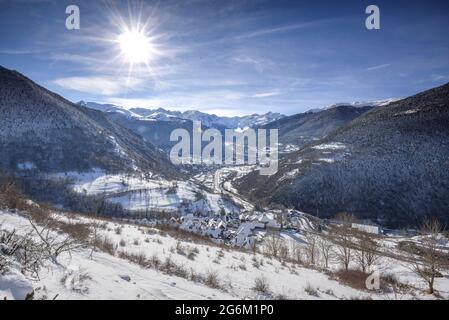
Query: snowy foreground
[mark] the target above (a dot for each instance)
(143, 262)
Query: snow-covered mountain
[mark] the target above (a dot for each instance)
(357, 104)
(42, 131)
(298, 130)
(208, 120)
(389, 163)
(109, 108)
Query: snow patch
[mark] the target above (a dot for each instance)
(330, 146)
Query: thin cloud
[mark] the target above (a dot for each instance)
(105, 86)
(259, 65)
(436, 78)
(267, 31)
(266, 94)
(381, 66)
(16, 52)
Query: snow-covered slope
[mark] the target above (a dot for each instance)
(138, 192)
(389, 163)
(49, 134)
(109, 108)
(358, 104)
(142, 262)
(303, 128)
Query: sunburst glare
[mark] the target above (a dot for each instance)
(136, 47)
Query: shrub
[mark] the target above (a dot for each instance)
(311, 291)
(180, 249)
(137, 258)
(220, 254)
(105, 244)
(76, 281)
(171, 268)
(191, 255)
(21, 249)
(194, 276)
(261, 285)
(211, 280)
(330, 292)
(155, 262)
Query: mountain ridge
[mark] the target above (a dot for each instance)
(209, 120)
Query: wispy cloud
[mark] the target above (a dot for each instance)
(76, 58)
(290, 27)
(258, 64)
(266, 94)
(436, 78)
(105, 86)
(16, 51)
(381, 66)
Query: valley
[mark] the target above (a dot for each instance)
(90, 192)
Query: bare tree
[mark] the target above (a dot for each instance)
(94, 241)
(325, 247)
(280, 217)
(100, 205)
(295, 251)
(53, 244)
(343, 239)
(430, 261)
(10, 193)
(342, 236)
(283, 251)
(367, 254)
(253, 246)
(273, 243)
(311, 248)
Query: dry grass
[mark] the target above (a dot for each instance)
(353, 278)
(155, 262)
(137, 258)
(105, 244)
(211, 280)
(79, 231)
(183, 235)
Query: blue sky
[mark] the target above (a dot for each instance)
(230, 57)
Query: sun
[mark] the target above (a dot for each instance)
(136, 47)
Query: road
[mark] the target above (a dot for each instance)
(219, 188)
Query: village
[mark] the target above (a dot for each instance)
(248, 228)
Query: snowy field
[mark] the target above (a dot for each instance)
(206, 270)
(139, 193)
